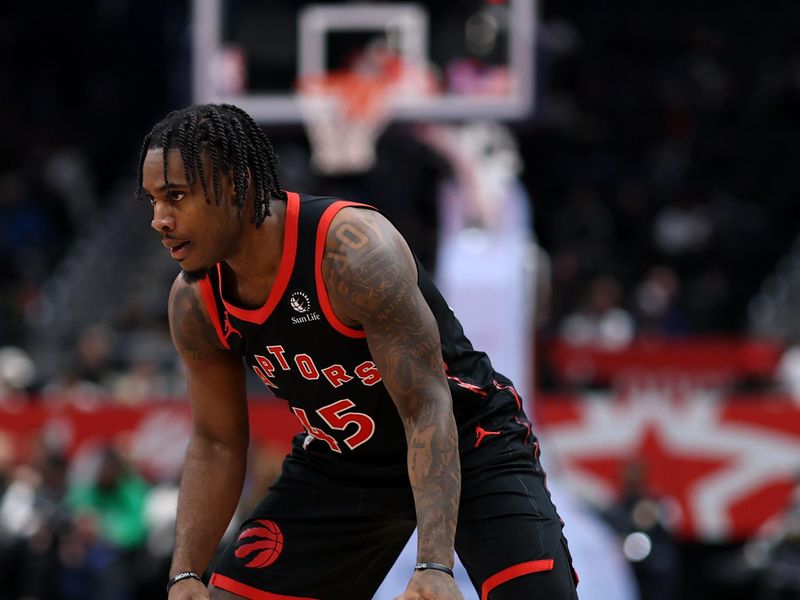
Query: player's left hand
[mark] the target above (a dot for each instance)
(431, 585)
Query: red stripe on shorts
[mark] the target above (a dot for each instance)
(510, 573)
(246, 591)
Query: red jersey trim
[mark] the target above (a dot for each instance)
(211, 307)
(511, 389)
(533, 566)
(468, 386)
(260, 315)
(246, 591)
(322, 292)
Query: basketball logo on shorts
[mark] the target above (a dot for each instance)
(261, 544)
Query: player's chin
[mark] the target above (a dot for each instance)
(193, 276)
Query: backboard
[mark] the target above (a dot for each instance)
(478, 53)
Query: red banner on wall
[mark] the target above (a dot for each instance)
(707, 359)
(728, 464)
(155, 435)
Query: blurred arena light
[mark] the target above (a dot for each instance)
(17, 369)
(637, 546)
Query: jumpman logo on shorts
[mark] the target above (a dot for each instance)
(481, 433)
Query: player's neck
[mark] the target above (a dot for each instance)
(252, 271)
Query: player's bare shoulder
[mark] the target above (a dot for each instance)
(366, 262)
(192, 332)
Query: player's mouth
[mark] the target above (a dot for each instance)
(177, 249)
(179, 252)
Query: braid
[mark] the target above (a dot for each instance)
(193, 145)
(259, 183)
(165, 144)
(233, 142)
(211, 134)
(142, 153)
(188, 171)
(216, 119)
(244, 149)
(268, 157)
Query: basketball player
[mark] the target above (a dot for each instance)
(405, 423)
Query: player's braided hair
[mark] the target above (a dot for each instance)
(232, 140)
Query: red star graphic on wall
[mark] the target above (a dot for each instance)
(665, 469)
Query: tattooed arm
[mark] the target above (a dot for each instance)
(213, 471)
(371, 279)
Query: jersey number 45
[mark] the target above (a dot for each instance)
(336, 417)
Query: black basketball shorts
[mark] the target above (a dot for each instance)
(323, 536)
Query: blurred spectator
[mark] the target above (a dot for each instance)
(30, 236)
(17, 374)
(596, 551)
(32, 517)
(141, 381)
(66, 170)
(584, 226)
(781, 578)
(656, 309)
(644, 523)
(93, 354)
(772, 556)
(109, 527)
(115, 498)
(85, 379)
(600, 319)
(682, 228)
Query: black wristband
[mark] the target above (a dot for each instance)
(423, 566)
(181, 577)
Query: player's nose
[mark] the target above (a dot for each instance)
(163, 220)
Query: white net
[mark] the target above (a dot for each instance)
(344, 114)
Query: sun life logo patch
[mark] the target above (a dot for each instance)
(300, 302)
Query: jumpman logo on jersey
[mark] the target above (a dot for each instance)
(229, 329)
(481, 433)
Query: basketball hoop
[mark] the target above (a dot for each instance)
(344, 113)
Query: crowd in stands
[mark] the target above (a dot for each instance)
(72, 111)
(96, 527)
(661, 160)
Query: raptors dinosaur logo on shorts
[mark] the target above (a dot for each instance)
(261, 543)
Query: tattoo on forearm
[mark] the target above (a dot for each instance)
(372, 281)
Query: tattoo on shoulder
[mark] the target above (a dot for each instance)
(192, 332)
(363, 270)
(372, 278)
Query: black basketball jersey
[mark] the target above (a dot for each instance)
(300, 350)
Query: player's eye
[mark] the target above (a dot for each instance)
(175, 196)
(151, 200)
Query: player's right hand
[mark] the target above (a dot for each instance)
(188, 589)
